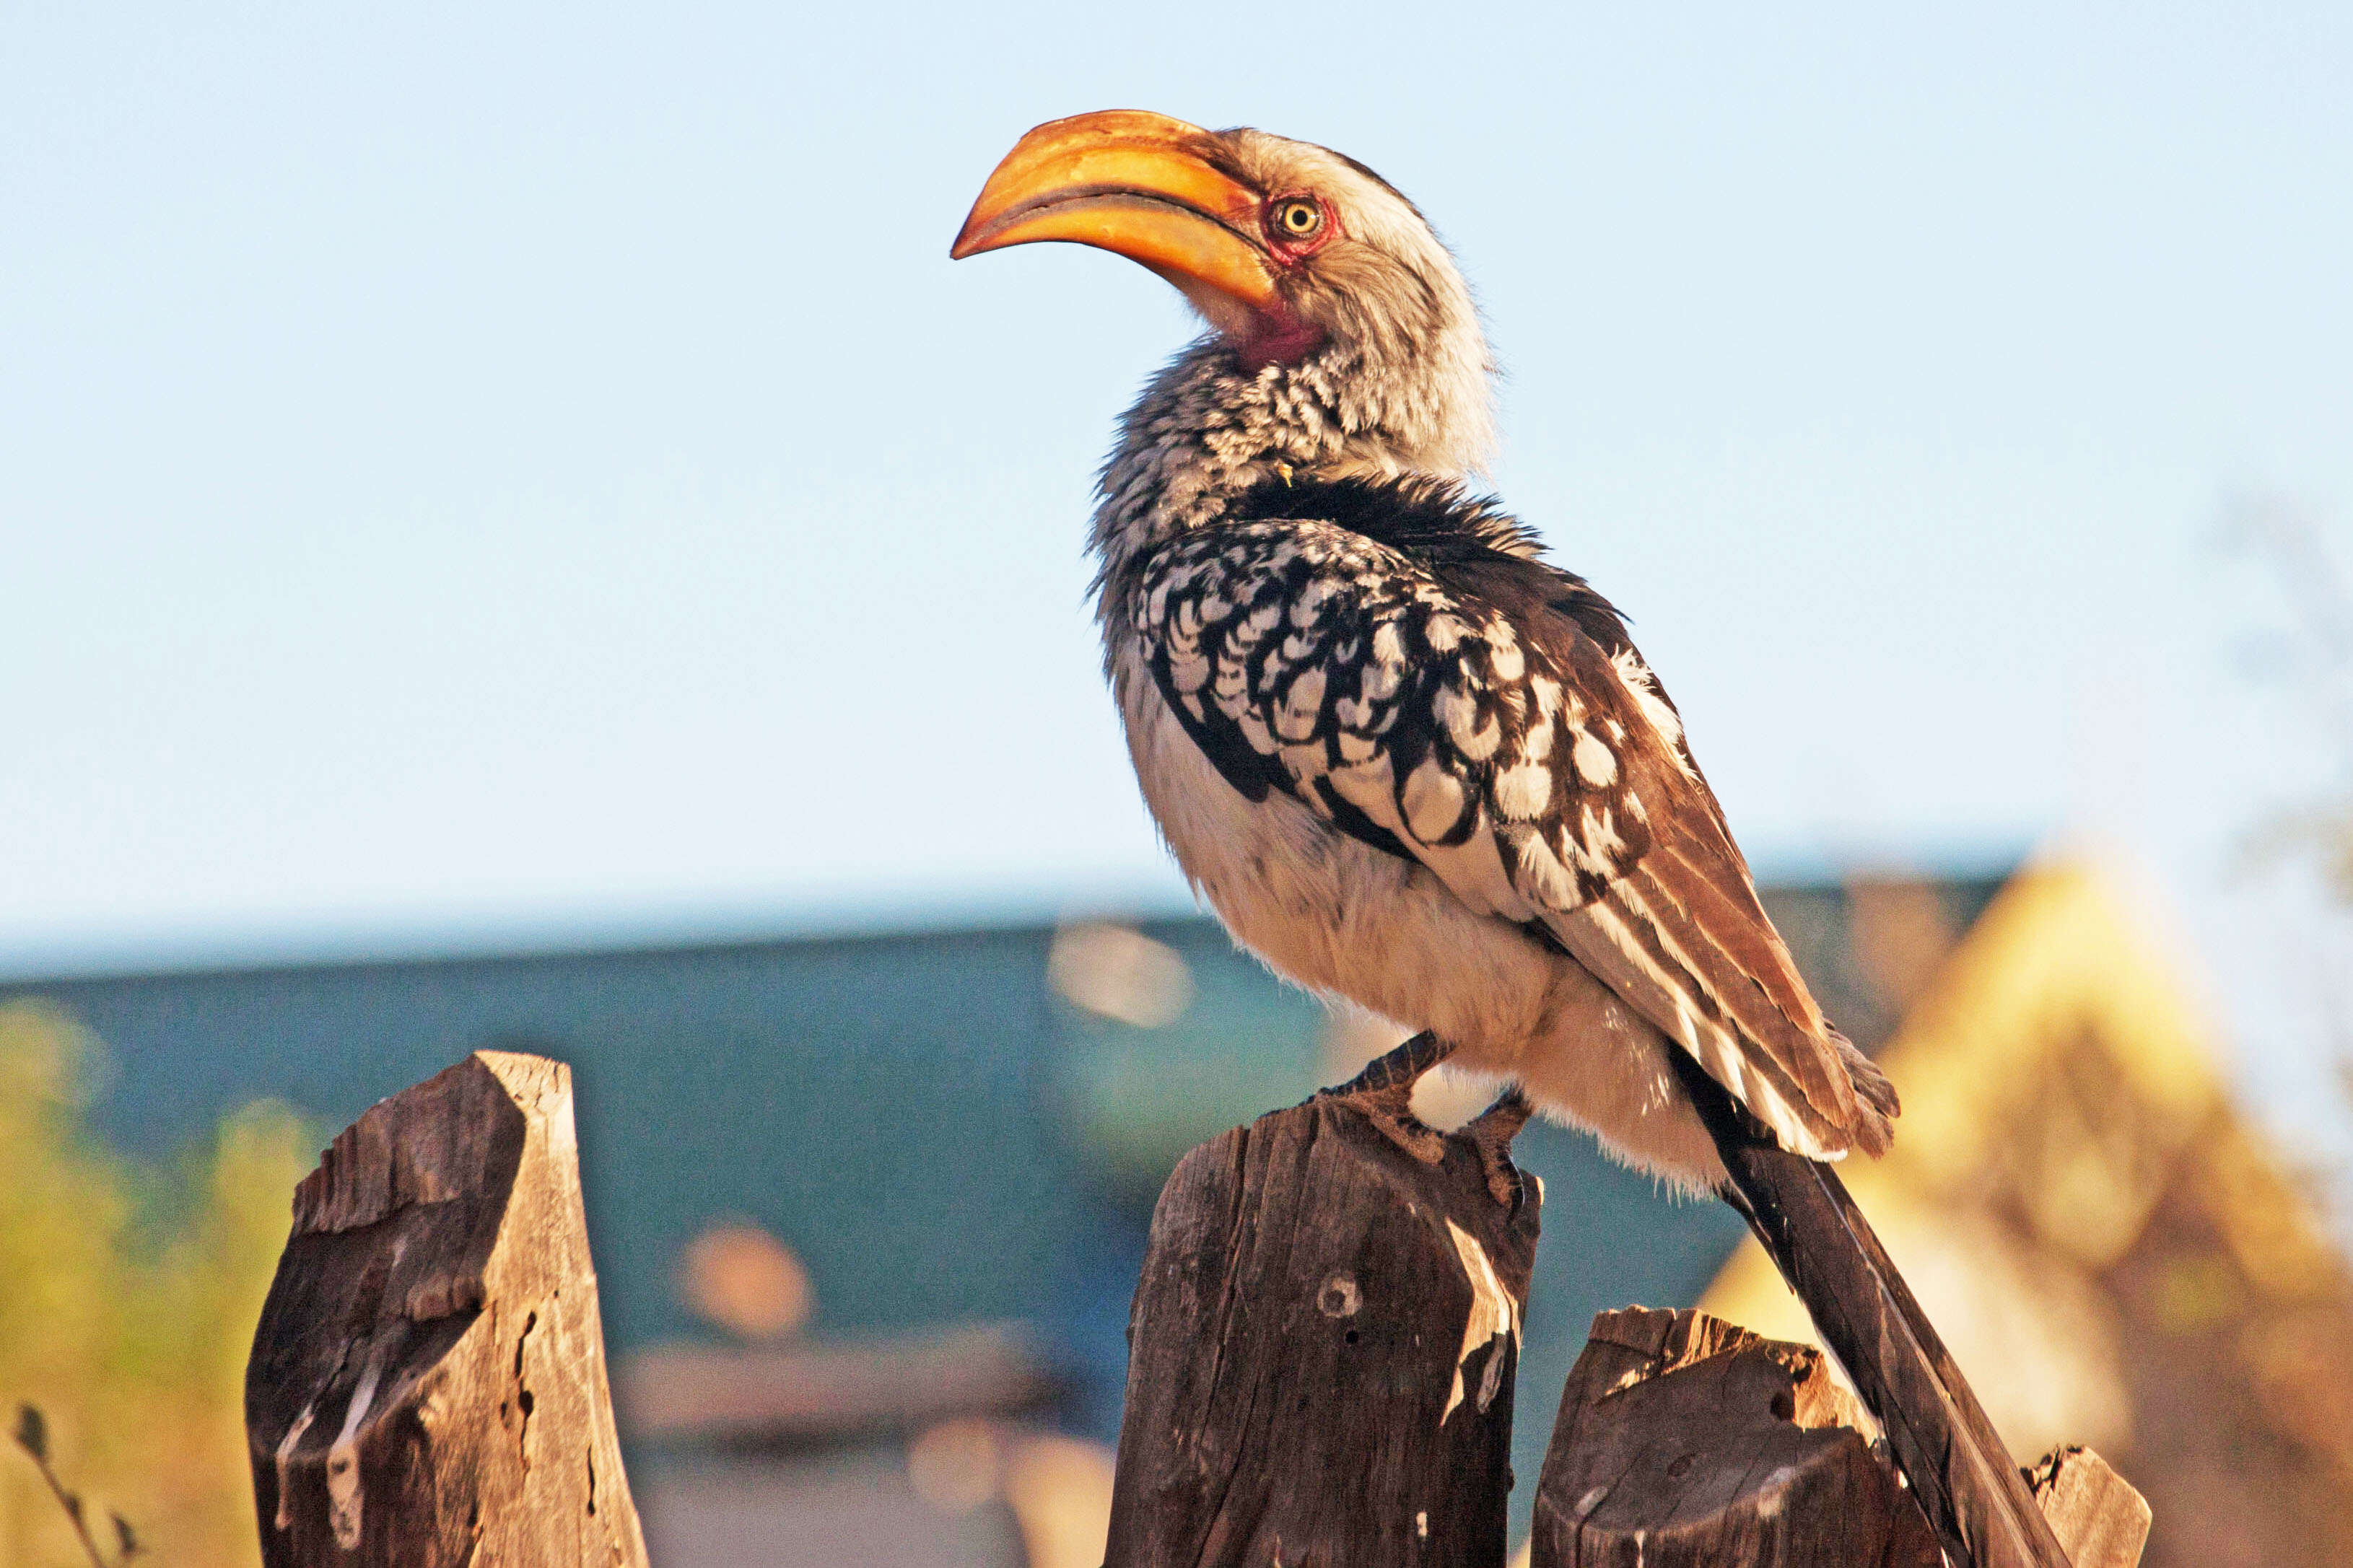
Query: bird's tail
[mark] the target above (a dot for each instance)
(1957, 1466)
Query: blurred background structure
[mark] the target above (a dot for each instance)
(868, 1211)
(512, 531)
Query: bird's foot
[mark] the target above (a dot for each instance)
(1490, 1133)
(1390, 1111)
(1383, 1095)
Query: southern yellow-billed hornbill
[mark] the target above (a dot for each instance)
(1411, 764)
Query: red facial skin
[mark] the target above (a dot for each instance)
(1277, 336)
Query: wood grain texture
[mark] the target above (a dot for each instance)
(2095, 1513)
(426, 1385)
(1684, 1442)
(1321, 1354)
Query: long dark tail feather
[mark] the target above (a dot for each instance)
(1959, 1467)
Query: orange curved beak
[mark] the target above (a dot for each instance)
(1139, 185)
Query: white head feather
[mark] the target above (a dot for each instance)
(1393, 376)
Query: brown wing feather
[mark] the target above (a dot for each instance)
(1716, 890)
(1626, 953)
(1705, 948)
(1687, 942)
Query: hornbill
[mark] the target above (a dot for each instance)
(1411, 764)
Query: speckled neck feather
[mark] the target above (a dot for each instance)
(1207, 429)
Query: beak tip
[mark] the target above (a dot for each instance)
(971, 238)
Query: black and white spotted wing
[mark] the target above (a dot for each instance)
(1404, 667)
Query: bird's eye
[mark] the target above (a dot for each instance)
(1297, 217)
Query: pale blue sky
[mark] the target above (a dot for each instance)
(470, 472)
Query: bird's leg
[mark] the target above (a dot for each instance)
(1490, 1133)
(1383, 1095)
(1399, 1067)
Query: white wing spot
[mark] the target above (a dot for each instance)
(1300, 706)
(1455, 709)
(1542, 874)
(1433, 802)
(1595, 763)
(1643, 687)
(1480, 743)
(1523, 792)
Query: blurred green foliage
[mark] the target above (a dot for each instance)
(128, 1298)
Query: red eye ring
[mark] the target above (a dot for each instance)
(1298, 223)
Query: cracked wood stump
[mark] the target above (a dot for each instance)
(1322, 1352)
(427, 1386)
(2095, 1513)
(1684, 1442)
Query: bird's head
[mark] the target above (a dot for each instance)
(1297, 258)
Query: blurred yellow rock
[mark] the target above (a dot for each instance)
(1060, 1491)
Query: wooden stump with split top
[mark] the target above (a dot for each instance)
(1684, 1442)
(427, 1386)
(1321, 1354)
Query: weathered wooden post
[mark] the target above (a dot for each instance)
(427, 1386)
(1322, 1352)
(1684, 1442)
(2095, 1513)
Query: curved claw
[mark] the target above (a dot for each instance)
(1490, 1133)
